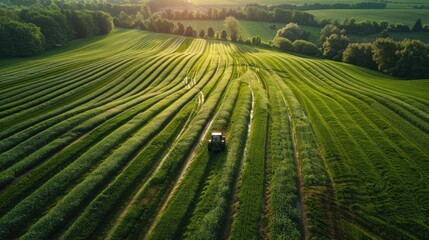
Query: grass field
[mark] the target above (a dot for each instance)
(404, 16)
(251, 28)
(276, 2)
(402, 4)
(108, 139)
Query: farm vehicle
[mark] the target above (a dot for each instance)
(217, 142)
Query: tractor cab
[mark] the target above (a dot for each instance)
(217, 142)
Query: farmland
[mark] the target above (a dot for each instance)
(248, 29)
(404, 16)
(108, 140)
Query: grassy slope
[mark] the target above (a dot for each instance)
(418, 88)
(368, 130)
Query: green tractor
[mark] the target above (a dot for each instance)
(217, 143)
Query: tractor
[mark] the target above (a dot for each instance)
(217, 143)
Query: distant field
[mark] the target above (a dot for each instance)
(405, 16)
(276, 2)
(390, 4)
(251, 28)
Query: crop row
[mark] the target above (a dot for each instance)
(97, 116)
(155, 190)
(251, 195)
(352, 134)
(14, 219)
(75, 163)
(173, 219)
(284, 218)
(208, 218)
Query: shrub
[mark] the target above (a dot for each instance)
(283, 44)
(306, 48)
(359, 54)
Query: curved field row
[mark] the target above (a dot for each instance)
(109, 140)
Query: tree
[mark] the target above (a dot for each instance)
(291, 31)
(328, 30)
(84, 24)
(334, 46)
(384, 54)
(359, 54)
(125, 20)
(104, 21)
(223, 35)
(217, 35)
(418, 27)
(180, 30)
(189, 31)
(202, 34)
(281, 15)
(306, 48)
(20, 39)
(210, 32)
(233, 26)
(256, 40)
(283, 44)
(413, 59)
(52, 24)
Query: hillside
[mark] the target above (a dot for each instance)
(108, 138)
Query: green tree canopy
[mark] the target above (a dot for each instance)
(418, 26)
(384, 54)
(104, 21)
(334, 46)
(283, 44)
(20, 39)
(223, 35)
(189, 31)
(291, 31)
(359, 54)
(328, 30)
(210, 32)
(413, 59)
(306, 48)
(233, 26)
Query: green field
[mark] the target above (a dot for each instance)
(250, 28)
(404, 16)
(108, 139)
(390, 3)
(276, 2)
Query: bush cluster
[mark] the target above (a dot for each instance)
(30, 31)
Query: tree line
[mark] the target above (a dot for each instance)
(29, 31)
(407, 58)
(157, 23)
